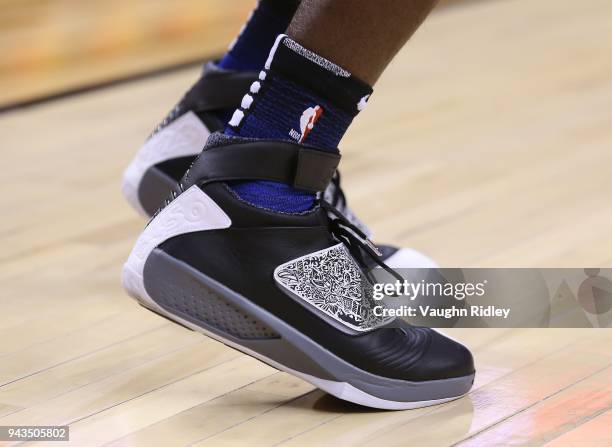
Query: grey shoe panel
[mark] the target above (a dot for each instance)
(184, 292)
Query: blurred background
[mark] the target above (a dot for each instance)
(53, 46)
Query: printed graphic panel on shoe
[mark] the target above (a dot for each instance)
(332, 282)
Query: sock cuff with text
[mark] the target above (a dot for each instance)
(300, 96)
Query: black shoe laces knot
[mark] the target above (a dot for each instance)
(355, 241)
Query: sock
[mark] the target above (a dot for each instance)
(301, 97)
(249, 51)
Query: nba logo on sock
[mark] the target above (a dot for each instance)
(307, 121)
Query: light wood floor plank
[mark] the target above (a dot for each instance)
(154, 406)
(147, 379)
(593, 433)
(554, 416)
(72, 346)
(96, 366)
(209, 418)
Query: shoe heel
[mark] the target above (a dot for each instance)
(185, 136)
(192, 211)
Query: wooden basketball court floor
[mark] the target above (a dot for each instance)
(487, 143)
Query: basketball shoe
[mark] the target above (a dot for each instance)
(289, 289)
(160, 163)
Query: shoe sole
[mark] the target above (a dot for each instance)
(186, 296)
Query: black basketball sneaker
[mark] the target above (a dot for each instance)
(290, 290)
(167, 154)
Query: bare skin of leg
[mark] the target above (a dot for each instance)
(361, 36)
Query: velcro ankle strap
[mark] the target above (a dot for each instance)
(221, 89)
(281, 161)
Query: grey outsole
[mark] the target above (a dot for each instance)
(165, 276)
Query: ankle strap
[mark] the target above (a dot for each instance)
(280, 161)
(221, 89)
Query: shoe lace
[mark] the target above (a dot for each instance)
(356, 241)
(337, 196)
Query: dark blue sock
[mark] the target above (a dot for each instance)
(299, 97)
(249, 51)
